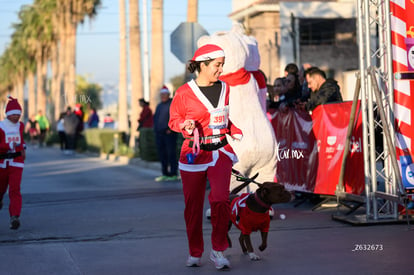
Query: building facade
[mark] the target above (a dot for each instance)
(321, 33)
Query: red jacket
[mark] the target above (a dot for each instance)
(245, 219)
(11, 132)
(145, 118)
(190, 103)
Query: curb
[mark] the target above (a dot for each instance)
(154, 165)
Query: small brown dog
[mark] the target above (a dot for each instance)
(250, 212)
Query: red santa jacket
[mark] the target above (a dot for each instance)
(245, 219)
(11, 132)
(190, 103)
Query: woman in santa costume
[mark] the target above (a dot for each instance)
(200, 111)
(12, 156)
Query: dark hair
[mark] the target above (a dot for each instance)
(315, 71)
(292, 68)
(143, 101)
(195, 65)
(283, 79)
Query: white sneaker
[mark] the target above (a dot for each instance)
(219, 260)
(193, 261)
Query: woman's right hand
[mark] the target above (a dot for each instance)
(188, 125)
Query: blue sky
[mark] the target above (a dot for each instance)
(98, 40)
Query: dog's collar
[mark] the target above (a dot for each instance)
(260, 202)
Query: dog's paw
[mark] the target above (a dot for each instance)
(262, 247)
(253, 256)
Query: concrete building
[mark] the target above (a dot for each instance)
(322, 33)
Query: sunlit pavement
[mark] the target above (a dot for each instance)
(85, 215)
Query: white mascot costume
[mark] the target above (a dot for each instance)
(257, 150)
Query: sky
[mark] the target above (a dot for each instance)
(98, 39)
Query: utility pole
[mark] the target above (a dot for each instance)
(192, 16)
(145, 46)
(192, 11)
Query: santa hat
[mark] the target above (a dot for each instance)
(164, 90)
(13, 107)
(207, 52)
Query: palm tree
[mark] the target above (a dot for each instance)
(74, 12)
(136, 68)
(33, 28)
(157, 51)
(123, 70)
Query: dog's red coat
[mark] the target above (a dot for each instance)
(245, 219)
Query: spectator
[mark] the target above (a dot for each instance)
(80, 114)
(291, 68)
(302, 80)
(278, 94)
(32, 128)
(108, 121)
(165, 138)
(43, 126)
(12, 156)
(61, 132)
(70, 124)
(322, 90)
(93, 119)
(146, 119)
(294, 90)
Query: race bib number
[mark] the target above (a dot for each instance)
(13, 136)
(219, 118)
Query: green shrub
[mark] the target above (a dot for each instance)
(107, 138)
(146, 145)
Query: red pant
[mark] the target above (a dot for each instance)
(12, 177)
(194, 186)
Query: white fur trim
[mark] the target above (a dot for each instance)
(13, 112)
(199, 167)
(237, 137)
(210, 55)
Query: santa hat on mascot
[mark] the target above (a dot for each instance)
(13, 107)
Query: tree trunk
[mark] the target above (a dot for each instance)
(157, 52)
(62, 71)
(55, 82)
(40, 87)
(136, 68)
(70, 83)
(20, 94)
(123, 70)
(31, 101)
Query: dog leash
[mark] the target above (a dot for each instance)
(196, 143)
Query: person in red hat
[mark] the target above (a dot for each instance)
(12, 156)
(199, 111)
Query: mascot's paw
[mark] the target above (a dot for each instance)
(253, 256)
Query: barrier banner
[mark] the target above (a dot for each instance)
(297, 156)
(310, 149)
(402, 39)
(330, 124)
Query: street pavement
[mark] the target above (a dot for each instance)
(86, 215)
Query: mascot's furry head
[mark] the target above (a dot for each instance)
(235, 51)
(257, 150)
(252, 62)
